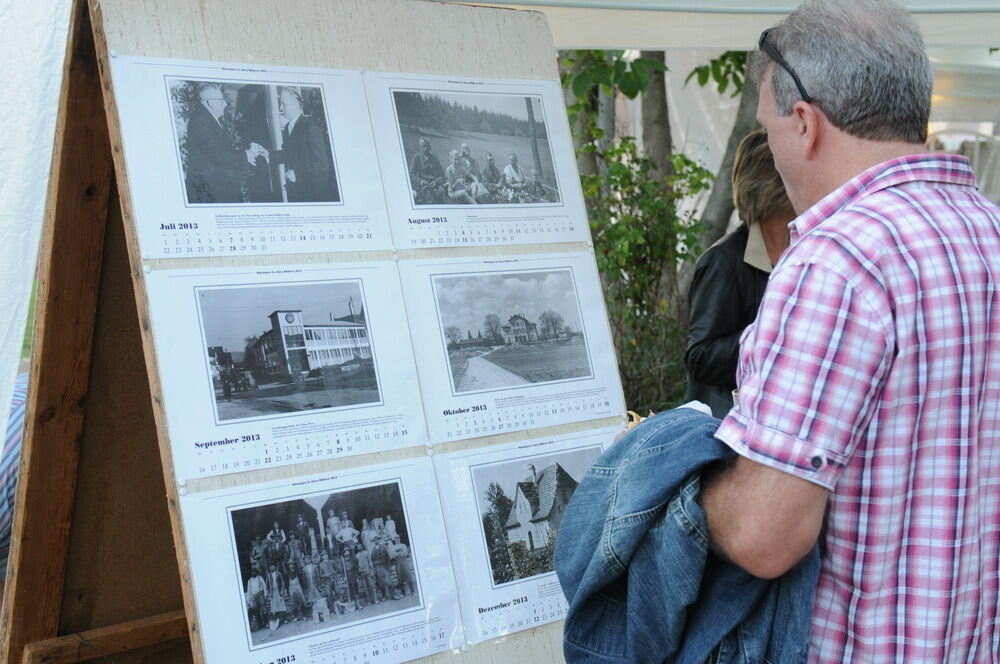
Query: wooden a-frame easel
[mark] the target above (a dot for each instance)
(90, 475)
(93, 567)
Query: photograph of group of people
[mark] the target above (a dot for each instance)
(322, 562)
(475, 148)
(258, 143)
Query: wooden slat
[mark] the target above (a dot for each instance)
(112, 640)
(68, 272)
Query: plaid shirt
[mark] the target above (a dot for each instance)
(873, 369)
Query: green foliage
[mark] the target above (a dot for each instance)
(730, 68)
(531, 563)
(641, 239)
(29, 327)
(608, 70)
(587, 70)
(496, 535)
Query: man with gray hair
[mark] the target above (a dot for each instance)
(868, 410)
(213, 167)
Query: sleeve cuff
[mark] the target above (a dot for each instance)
(778, 450)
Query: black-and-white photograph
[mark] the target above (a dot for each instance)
(252, 143)
(508, 329)
(466, 148)
(521, 503)
(324, 561)
(287, 348)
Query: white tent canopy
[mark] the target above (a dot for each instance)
(732, 24)
(958, 34)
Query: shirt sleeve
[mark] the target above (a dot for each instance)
(811, 370)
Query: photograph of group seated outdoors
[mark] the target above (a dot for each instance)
(473, 149)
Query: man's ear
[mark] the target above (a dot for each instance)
(809, 126)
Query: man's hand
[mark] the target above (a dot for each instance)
(762, 519)
(290, 175)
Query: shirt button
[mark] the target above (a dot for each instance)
(816, 462)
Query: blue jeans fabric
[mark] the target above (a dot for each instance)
(634, 560)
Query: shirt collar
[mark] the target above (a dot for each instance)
(940, 168)
(755, 255)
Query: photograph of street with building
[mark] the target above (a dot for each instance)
(509, 329)
(475, 148)
(323, 561)
(287, 348)
(521, 504)
(244, 142)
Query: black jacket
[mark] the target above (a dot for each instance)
(725, 294)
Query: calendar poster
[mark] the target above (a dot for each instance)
(510, 343)
(505, 505)
(281, 365)
(345, 567)
(475, 161)
(227, 159)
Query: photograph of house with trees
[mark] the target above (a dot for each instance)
(277, 349)
(475, 148)
(507, 329)
(521, 504)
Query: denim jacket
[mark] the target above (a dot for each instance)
(633, 557)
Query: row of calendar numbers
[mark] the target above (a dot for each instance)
(298, 451)
(237, 243)
(509, 233)
(503, 623)
(395, 649)
(525, 417)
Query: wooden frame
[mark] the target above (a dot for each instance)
(98, 553)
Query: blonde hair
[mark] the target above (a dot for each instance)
(758, 192)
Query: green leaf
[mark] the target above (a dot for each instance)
(716, 66)
(703, 75)
(641, 76)
(629, 87)
(620, 67)
(582, 84)
(649, 63)
(603, 74)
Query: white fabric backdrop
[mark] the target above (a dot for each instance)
(31, 61)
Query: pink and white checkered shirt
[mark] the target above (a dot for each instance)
(873, 369)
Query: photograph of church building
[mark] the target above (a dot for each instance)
(521, 506)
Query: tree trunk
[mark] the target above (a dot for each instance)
(606, 123)
(534, 137)
(719, 207)
(656, 139)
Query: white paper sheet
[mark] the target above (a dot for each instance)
(420, 121)
(280, 365)
(391, 615)
(505, 504)
(510, 343)
(228, 159)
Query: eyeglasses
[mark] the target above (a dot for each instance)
(772, 52)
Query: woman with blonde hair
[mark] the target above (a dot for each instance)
(730, 277)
